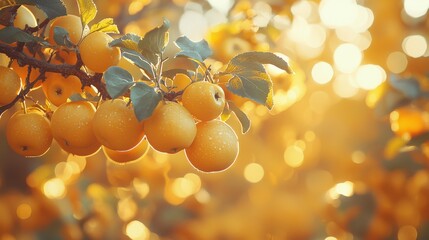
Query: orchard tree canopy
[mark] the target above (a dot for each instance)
(202, 119)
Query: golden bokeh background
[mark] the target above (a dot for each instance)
(342, 155)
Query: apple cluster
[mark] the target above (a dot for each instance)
(80, 128)
(210, 144)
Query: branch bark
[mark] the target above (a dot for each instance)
(44, 67)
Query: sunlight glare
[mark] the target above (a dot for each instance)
(193, 25)
(347, 57)
(416, 8)
(414, 46)
(343, 86)
(222, 6)
(322, 72)
(293, 156)
(137, 230)
(397, 62)
(253, 172)
(54, 188)
(370, 76)
(338, 13)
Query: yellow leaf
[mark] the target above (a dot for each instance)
(130, 44)
(374, 96)
(270, 102)
(87, 10)
(166, 38)
(106, 25)
(226, 113)
(235, 83)
(128, 41)
(394, 146)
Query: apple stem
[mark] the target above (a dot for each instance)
(24, 106)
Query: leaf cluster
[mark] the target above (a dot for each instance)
(395, 92)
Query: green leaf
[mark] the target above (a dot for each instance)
(241, 116)
(196, 51)
(249, 86)
(139, 61)
(419, 139)
(106, 25)
(118, 81)
(251, 82)
(192, 55)
(61, 37)
(87, 10)
(144, 99)
(410, 87)
(154, 42)
(262, 58)
(79, 97)
(128, 41)
(250, 78)
(173, 72)
(391, 100)
(52, 8)
(12, 34)
(404, 161)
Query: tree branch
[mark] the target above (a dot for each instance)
(44, 66)
(38, 27)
